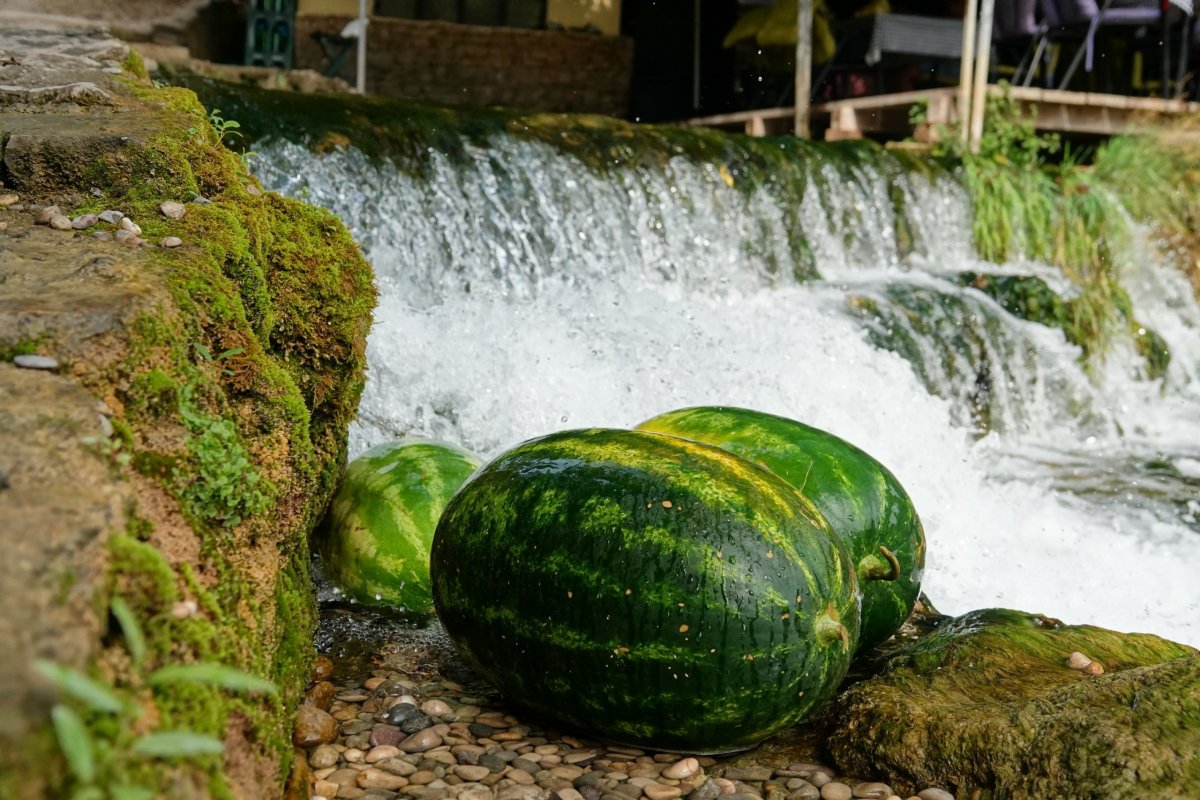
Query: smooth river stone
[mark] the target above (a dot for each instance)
(313, 727)
(471, 773)
(684, 768)
(657, 791)
(173, 210)
(323, 756)
(873, 791)
(934, 794)
(371, 778)
(836, 790)
(420, 741)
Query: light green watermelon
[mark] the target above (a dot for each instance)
(647, 589)
(381, 522)
(860, 498)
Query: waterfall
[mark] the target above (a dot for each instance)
(523, 291)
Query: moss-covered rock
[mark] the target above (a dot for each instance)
(227, 371)
(987, 703)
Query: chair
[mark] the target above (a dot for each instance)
(1069, 18)
(1015, 25)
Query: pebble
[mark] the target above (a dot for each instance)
(658, 791)
(435, 708)
(836, 790)
(171, 241)
(410, 737)
(172, 210)
(126, 224)
(110, 216)
(934, 794)
(1094, 668)
(371, 778)
(200, 200)
(35, 362)
(8, 199)
(684, 768)
(313, 727)
(43, 216)
(251, 189)
(60, 223)
(103, 236)
(3, 226)
(322, 669)
(323, 756)
(420, 741)
(84, 221)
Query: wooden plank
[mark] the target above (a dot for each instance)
(887, 115)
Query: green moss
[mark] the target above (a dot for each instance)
(21, 347)
(235, 396)
(986, 703)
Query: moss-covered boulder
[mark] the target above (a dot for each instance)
(989, 704)
(163, 474)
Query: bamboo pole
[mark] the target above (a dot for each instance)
(804, 18)
(983, 57)
(964, 70)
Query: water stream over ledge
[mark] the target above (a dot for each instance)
(522, 291)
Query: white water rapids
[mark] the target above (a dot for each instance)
(521, 293)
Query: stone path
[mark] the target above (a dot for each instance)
(417, 724)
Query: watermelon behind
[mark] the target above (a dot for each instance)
(382, 519)
(860, 498)
(646, 589)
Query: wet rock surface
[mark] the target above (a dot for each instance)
(1000, 701)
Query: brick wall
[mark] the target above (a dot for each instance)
(481, 66)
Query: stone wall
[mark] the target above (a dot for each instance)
(483, 66)
(174, 398)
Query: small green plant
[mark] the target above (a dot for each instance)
(219, 484)
(99, 727)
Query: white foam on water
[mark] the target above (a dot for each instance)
(520, 295)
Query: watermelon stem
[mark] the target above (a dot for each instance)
(874, 568)
(829, 628)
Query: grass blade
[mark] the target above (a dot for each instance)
(177, 744)
(235, 680)
(96, 695)
(76, 743)
(135, 640)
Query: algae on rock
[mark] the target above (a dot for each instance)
(987, 703)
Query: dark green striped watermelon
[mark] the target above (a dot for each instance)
(647, 589)
(381, 522)
(862, 501)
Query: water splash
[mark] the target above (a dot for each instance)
(520, 293)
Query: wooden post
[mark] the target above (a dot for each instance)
(360, 82)
(964, 70)
(983, 57)
(804, 18)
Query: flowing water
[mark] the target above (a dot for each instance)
(523, 291)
